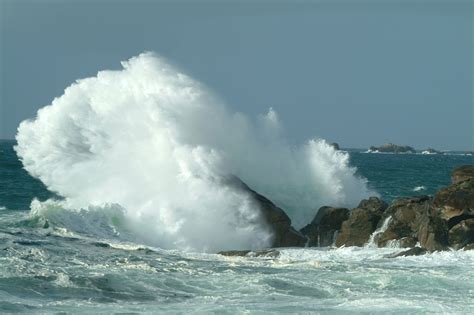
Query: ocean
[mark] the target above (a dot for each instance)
(115, 198)
(58, 261)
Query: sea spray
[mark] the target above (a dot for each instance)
(156, 143)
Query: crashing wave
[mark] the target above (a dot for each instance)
(154, 142)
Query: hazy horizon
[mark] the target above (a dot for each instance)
(359, 74)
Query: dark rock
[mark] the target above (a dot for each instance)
(247, 253)
(408, 241)
(415, 251)
(405, 211)
(321, 231)
(432, 233)
(335, 145)
(101, 244)
(412, 219)
(392, 148)
(462, 234)
(456, 202)
(284, 235)
(362, 222)
(469, 247)
(462, 173)
(374, 205)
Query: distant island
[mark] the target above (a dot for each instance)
(392, 148)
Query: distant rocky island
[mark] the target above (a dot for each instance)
(420, 224)
(392, 148)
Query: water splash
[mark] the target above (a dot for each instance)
(378, 232)
(419, 188)
(155, 142)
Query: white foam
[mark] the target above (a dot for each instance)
(419, 188)
(155, 142)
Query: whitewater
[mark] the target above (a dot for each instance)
(154, 144)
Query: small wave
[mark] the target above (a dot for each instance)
(419, 188)
(3, 208)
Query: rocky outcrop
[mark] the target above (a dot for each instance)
(456, 202)
(432, 233)
(323, 228)
(462, 173)
(423, 223)
(446, 221)
(362, 222)
(411, 219)
(462, 234)
(454, 205)
(415, 251)
(392, 148)
(284, 235)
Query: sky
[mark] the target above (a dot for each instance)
(359, 73)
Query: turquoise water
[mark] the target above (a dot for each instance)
(54, 260)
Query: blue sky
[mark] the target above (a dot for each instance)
(359, 73)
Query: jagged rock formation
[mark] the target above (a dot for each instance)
(284, 235)
(447, 220)
(361, 223)
(323, 228)
(422, 223)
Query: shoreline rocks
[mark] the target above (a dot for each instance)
(324, 226)
(422, 223)
(362, 222)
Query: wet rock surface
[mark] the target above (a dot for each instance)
(421, 223)
(462, 173)
(284, 235)
(415, 251)
(322, 230)
(362, 222)
(410, 219)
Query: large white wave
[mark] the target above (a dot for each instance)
(154, 141)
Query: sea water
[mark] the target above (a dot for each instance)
(112, 200)
(57, 261)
